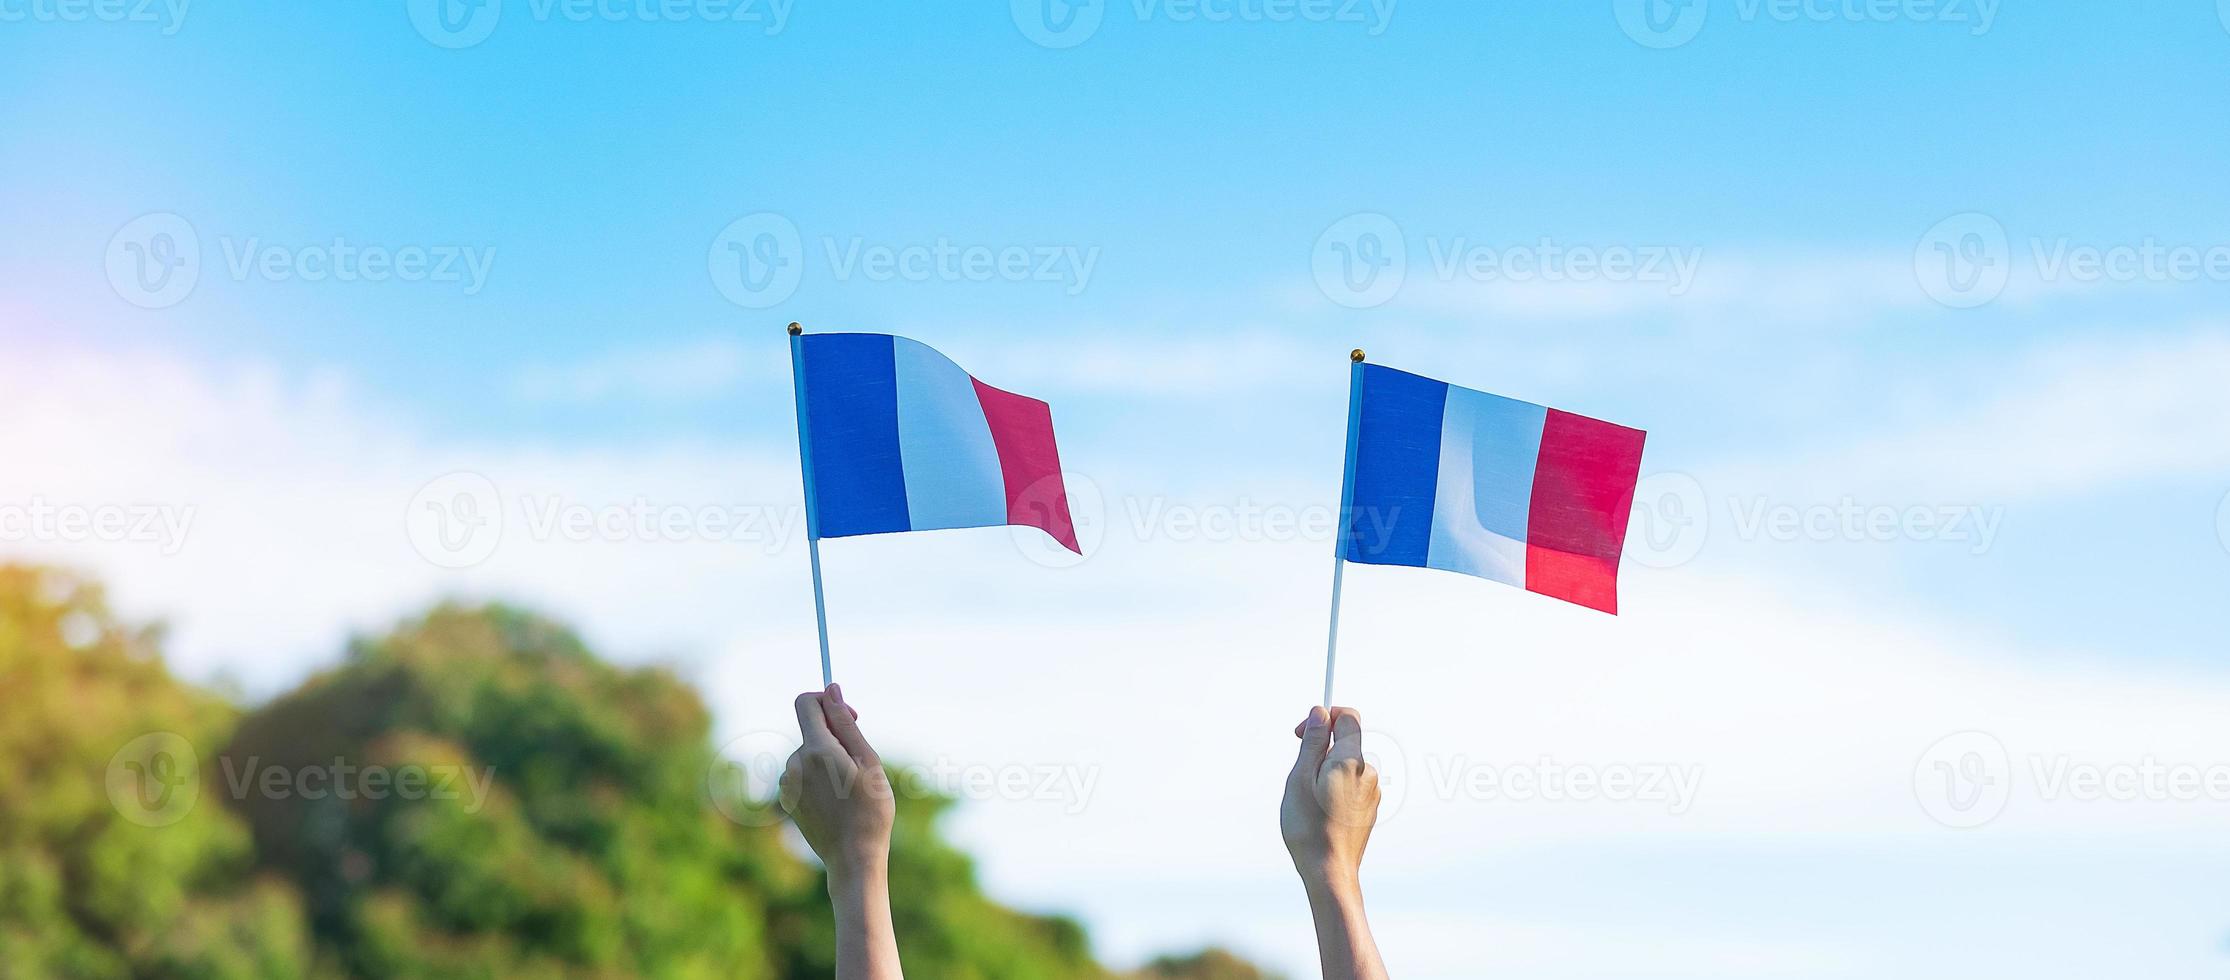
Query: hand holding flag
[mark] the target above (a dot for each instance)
(1331, 804)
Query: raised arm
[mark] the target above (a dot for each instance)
(836, 791)
(1331, 803)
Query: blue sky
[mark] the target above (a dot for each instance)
(1200, 171)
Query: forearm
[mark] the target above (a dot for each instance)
(1343, 934)
(866, 946)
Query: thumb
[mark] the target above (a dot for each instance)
(1316, 741)
(843, 722)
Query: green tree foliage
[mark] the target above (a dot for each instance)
(1212, 964)
(592, 852)
(112, 861)
(947, 928)
(472, 795)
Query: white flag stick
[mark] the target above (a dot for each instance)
(1332, 644)
(1347, 504)
(812, 517)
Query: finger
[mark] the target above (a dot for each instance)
(786, 788)
(1347, 734)
(1316, 738)
(813, 723)
(845, 724)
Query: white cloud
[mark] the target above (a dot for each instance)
(1729, 291)
(299, 494)
(2072, 419)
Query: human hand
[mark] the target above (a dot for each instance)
(836, 791)
(1331, 800)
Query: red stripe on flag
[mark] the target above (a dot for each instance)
(1583, 493)
(1022, 432)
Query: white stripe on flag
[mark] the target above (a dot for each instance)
(944, 443)
(1489, 446)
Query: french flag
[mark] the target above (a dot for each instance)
(901, 439)
(1446, 477)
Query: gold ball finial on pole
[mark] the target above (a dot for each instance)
(1355, 355)
(795, 329)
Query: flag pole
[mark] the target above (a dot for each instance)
(812, 515)
(1347, 503)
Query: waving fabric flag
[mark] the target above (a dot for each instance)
(1450, 478)
(901, 439)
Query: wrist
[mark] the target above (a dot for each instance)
(854, 875)
(1332, 884)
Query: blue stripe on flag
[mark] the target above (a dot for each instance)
(851, 401)
(1397, 463)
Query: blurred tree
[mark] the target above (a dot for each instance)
(593, 850)
(474, 795)
(947, 928)
(556, 823)
(1209, 964)
(113, 861)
